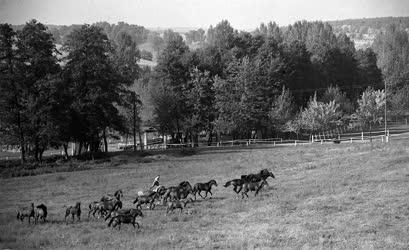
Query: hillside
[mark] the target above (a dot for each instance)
(364, 30)
(347, 196)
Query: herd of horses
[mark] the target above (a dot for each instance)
(110, 207)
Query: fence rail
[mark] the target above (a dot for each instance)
(395, 133)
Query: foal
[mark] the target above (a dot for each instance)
(206, 187)
(73, 210)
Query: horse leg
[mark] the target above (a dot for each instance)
(205, 195)
(200, 193)
(210, 191)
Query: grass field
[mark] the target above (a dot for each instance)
(324, 196)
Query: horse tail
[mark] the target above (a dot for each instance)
(227, 184)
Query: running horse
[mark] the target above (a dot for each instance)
(206, 187)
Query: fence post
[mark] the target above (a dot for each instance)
(362, 136)
(351, 140)
(274, 143)
(295, 143)
(321, 142)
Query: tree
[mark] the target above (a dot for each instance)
(200, 99)
(221, 36)
(156, 41)
(392, 48)
(282, 110)
(95, 86)
(335, 94)
(40, 89)
(319, 116)
(371, 106)
(398, 103)
(11, 103)
(369, 73)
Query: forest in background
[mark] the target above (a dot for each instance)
(302, 78)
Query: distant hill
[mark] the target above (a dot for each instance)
(364, 30)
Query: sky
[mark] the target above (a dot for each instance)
(242, 14)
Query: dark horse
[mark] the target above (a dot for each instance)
(252, 186)
(126, 218)
(238, 183)
(206, 187)
(117, 195)
(262, 175)
(40, 212)
(179, 192)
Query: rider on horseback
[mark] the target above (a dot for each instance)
(155, 183)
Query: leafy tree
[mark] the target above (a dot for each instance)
(37, 63)
(195, 36)
(11, 101)
(319, 116)
(200, 99)
(96, 86)
(282, 110)
(221, 36)
(156, 41)
(369, 73)
(371, 106)
(335, 94)
(398, 102)
(392, 48)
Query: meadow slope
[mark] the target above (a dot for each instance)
(339, 196)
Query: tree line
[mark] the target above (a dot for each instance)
(47, 102)
(302, 78)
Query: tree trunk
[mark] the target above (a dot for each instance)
(21, 140)
(140, 140)
(105, 141)
(210, 138)
(65, 145)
